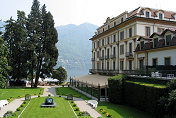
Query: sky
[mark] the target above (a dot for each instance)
(82, 11)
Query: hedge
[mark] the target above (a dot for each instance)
(116, 89)
(142, 97)
(137, 94)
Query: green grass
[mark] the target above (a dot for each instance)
(121, 111)
(12, 93)
(62, 110)
(148, 84)
(68, 90)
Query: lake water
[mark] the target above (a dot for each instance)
(76, 72)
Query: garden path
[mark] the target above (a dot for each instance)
(12, 106)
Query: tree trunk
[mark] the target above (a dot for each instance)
(38, 73)
(32, 75)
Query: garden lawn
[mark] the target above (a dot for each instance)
(121, 111)
(62, 110)
(68, 90)
(12, 93)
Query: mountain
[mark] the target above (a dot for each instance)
(75, 47)
(2, 26)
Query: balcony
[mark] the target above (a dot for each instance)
(129, 55)
(93, 71)
(93, 59)
(113, 56)
(101, 58)
(108, 57)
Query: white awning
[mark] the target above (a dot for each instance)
(93, 80)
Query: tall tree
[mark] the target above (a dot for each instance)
(42, 40)
(4, 68)
(15, 37)
(34, 37)
(48, 52)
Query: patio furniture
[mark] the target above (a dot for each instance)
(170, 76)
(93, 103)
(3, 103)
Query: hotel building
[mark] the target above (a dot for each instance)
(115, 42)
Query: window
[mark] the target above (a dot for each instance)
(155, 42)
(122, 49)
(154, 61)
(121, 65)
(108, 40)
(114, 65)
(94, 45)
(114, 38)
(108, 26)
(97, 54)
(130, 64)
(114, 51)
(147, 31)
(107, 65)
(103, 42)
(102, 66)
(130, 32)
(102, 53)
(121, 20)
(108, 53)
(168, 39)
(114, 23)
(98, 66)
(142, 45)
(103, 29)
(167, 61)
(122, 35)
(160, 30)
(130, 48)
(141, 64)
(94, 56)
(147, 14)
(98, 44)
(160, 16)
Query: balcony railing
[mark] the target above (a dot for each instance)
(93, 59)
(129, 54)
(113, 56)
(101, 58)
(107, 57)
(104, 71)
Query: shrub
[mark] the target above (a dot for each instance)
(171, 85)
(22, 105)
(84, 113)
(18, 109)
(76, 109)
(49, 95)
(74, 105)
(38, 95)
(24, 102)
(9, 113)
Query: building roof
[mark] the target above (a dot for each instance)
(144, 37)
(140, 11)
(93, 80)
